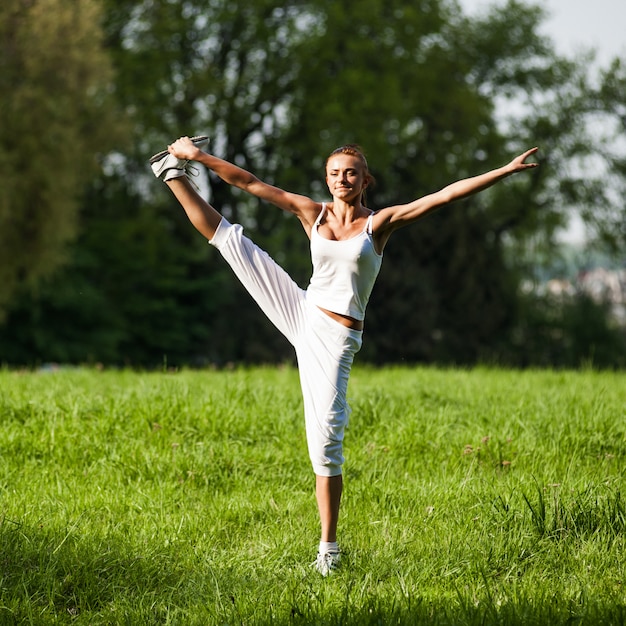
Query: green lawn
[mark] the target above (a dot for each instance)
(471, 497)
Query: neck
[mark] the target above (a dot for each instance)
(347, 211)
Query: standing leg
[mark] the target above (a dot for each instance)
(325, 354)
(328, 493)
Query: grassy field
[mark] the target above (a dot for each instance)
(471, 497)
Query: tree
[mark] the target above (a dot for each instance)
(56, 120)
(128, 294)
(430, 94)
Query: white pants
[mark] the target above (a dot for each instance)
(324, 348)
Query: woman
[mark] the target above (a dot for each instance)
(324, 323)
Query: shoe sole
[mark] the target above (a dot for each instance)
(159, 155)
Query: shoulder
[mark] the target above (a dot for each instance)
(308, 213)
(386, 221)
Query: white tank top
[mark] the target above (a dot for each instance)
(344, 272)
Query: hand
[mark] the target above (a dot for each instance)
(518, 164)
(183, 148)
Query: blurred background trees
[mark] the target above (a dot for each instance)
(102, 266)
(57, 116)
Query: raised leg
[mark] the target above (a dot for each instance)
(200, 213)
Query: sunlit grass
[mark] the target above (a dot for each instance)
(471, 497)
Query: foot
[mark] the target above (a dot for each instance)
(166, 166)
(327, 563)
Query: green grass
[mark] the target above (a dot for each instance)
(471, 497)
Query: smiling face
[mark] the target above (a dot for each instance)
(346, 177)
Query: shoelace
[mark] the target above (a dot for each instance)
(326, 563)
(191, 171)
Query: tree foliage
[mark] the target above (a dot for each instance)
(431, 95)
(56, 119)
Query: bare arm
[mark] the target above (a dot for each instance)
(304, 208)
(390, 219)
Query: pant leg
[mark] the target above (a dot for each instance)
(278, 296)
(325, 354)
(324, 348)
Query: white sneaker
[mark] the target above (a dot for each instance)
(166, 166)
(327, 563)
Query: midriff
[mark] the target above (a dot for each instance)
(344, 320)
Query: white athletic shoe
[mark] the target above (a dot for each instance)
(166, 166)
(327, 563)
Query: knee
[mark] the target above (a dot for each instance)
(327, 459)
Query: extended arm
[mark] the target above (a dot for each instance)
(392, 218)
(304, 208)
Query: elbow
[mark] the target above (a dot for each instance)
(443, 197)
(447, 197)
(248, 183)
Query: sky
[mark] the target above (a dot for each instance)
(577, 24)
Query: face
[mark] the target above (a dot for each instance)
(345, 176)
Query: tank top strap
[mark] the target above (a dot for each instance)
(368, 225)
(319, 217)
